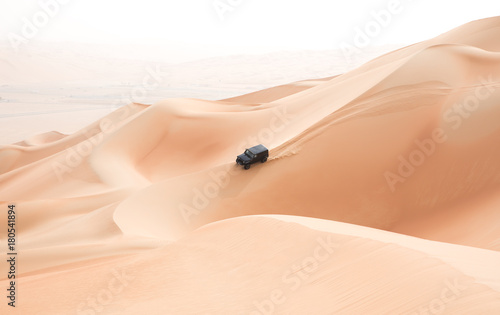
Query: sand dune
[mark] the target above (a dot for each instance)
(224, 268)
(379, 197)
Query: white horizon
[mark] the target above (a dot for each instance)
(207, 28)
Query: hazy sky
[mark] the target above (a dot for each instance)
(238, 26)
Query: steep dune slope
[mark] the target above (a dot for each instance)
(352, 162)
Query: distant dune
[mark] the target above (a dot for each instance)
(380, 196)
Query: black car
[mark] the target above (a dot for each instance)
(259, 153)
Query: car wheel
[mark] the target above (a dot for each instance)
(263, 160)
(247, 166)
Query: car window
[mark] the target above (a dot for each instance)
(247, 152)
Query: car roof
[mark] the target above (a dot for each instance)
(258, 149)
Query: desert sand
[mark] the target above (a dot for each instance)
(380, 196)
